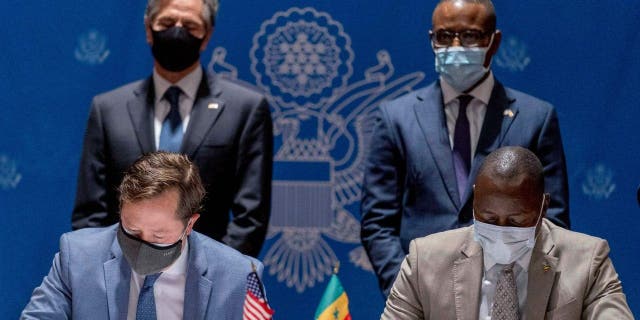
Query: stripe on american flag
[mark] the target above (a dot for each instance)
(255, 305)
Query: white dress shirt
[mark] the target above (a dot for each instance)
(476, 109)
(490, 279)
(168, 290)
(189, 86)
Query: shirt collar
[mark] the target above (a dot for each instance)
(523, 261)
(180, 266)
(188, 84)
(481, 92)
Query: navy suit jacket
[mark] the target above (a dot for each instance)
(90, 279)
(410, 188)
(229, 138)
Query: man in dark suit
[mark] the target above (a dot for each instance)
(425, 153)
(150, 264)
(224, 127)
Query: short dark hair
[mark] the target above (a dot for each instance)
(510, 162)
(209, 11)
(157, 172)
(492, 20)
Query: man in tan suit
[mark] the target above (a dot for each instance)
(512, 263)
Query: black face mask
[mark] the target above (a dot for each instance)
(175, 48)
(147, 258)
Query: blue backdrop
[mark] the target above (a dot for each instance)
(324, 65)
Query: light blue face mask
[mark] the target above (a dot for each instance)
(505, 244)
(461, 67)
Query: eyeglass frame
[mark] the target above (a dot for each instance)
(457, 34)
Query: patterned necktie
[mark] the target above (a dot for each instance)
(505, 302)
(171, 133)
(462, 146)
(146, 302)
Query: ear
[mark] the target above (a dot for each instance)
(546, 201)
(192, 222)
(473, 201)
(206, 39)
(429, 35)
(147, 30)
(497, 38)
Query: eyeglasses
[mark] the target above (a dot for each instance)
(468, 38)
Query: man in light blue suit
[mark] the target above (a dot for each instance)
(151, 265)
(427, 146)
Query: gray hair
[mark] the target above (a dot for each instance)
(209, 11)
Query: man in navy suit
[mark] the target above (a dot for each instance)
(224, 127)
(428, 145)
(151, 264)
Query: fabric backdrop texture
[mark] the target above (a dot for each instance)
(325, 65)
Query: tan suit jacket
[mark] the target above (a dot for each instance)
(570, 277)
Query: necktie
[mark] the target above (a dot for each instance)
(146, 302)
(462, 146)
(505, 302)
(171, 133)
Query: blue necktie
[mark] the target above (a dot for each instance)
(462, 146)
(171, 133)
(146, 302)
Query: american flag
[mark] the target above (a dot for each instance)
(255, 304)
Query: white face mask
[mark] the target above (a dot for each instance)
(461, 67)
(505, 244)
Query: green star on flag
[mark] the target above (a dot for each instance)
(334, 304)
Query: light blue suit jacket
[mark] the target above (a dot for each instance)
(90, 279)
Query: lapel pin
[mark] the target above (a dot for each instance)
(508, 113)
(213, 106)
(546, 268)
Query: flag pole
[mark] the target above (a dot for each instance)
(260, 286)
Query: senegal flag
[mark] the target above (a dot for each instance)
(334, 304)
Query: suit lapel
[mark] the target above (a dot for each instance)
(429, 111)
(500, 115)
(542, 274)
(141, 112)
(117, 278)
(206, 109)
(198, 287)
(467, 278)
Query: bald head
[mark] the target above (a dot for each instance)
(509, 188)
(488, 12)
(513, 163)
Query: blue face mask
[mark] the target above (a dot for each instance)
(461, 67)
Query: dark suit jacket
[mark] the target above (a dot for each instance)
(90, 279)
(232, 145)
(570, 277)
(410, 188)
